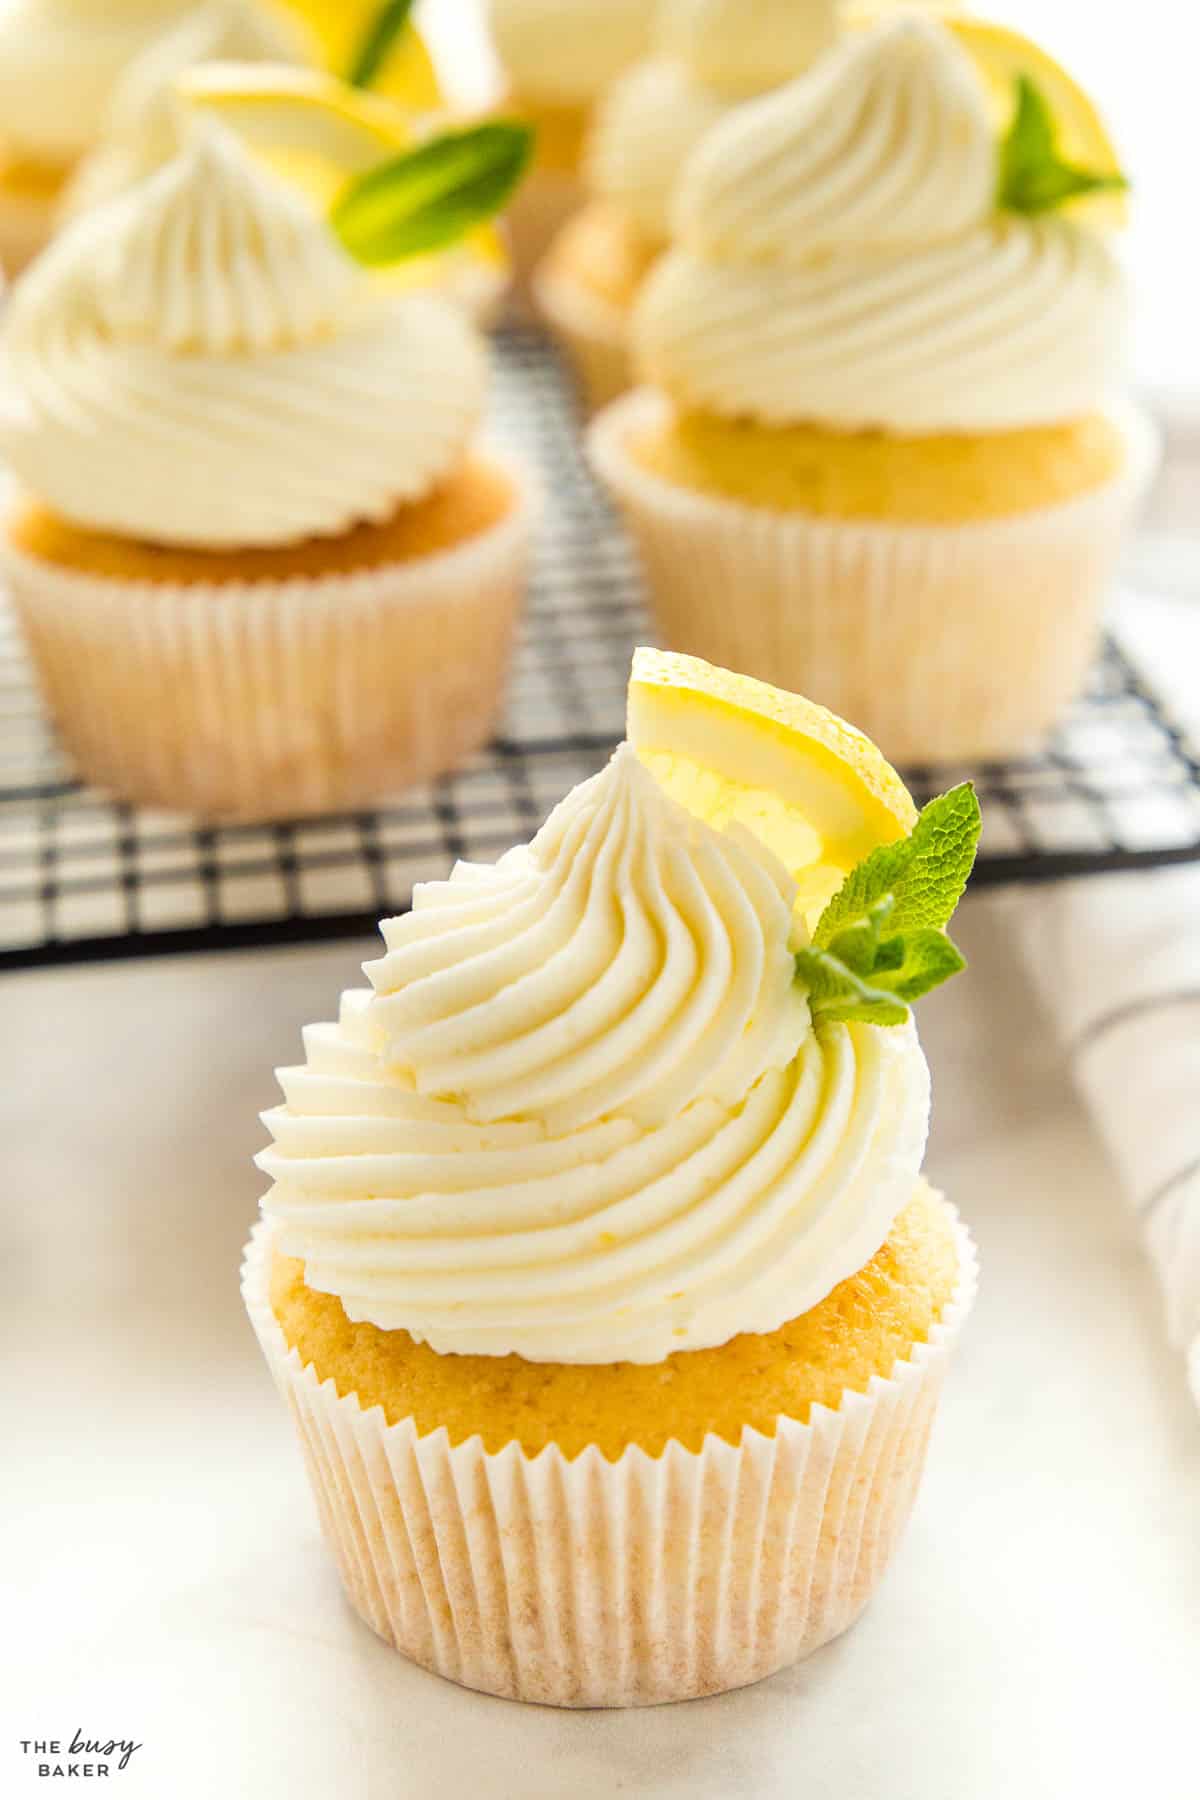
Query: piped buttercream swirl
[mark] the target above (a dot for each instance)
(200, 363)
(146, 123)
(582, 1114)
(710, 55)
(840, 260)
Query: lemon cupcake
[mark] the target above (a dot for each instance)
(261, 564)
(884, 454)
(598, 1271)
(709, 56)
(59, 63)
(557, 61)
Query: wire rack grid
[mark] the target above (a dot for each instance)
(82, 877)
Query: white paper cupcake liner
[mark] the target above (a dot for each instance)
(586, 1582)
(943, 643)
(268, 699)
(593, 331)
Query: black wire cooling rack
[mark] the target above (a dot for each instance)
(82, 878)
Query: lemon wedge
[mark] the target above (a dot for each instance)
(317, 132)
(1000, 55)
(737, 751)
(338, 29)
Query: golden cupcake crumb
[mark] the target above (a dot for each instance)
(603, 251)
(27, 179)
(860, 1329)
(478, 496)
(937, 480)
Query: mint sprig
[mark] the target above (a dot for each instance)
(377, 42)
(881, 941)
(1032, 176)
(429, 198)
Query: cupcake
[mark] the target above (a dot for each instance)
(145, 125)
(598, 1271)
(882, 452)
(261, 563)
(709, 56)
(59, 63)
(557, 60)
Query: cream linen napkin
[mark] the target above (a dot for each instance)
(1117, 962)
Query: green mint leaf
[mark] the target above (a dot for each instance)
(912, 964)
(430, 197)
(1032, 177)
(378, 41)
(836, 992)
(924, 873)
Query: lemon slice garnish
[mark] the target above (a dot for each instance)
(737, 751)
(318, 132)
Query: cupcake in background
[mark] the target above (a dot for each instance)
(884, 454)
(145, 124)
(557, 60)
(260, 561)
(709, 56)
(598, 1271)
(60, 61)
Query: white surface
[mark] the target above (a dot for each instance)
(161, 1566)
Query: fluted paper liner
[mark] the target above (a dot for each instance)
(593, 332)
(586, 1582)
(943, 643)
(261, 699)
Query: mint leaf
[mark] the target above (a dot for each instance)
(1032, 177)
(835, 992)
(913, 963)
(430, 197)
(924, 873)
(378, 41)
(879, 945)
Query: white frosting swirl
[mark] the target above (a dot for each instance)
(146, 123)
(886, 142)
(583, 1115)
(199, 363)
(59, 63)
(646, 127)
(566, 55)
(840, 261)
(744, 47)
(712, 54)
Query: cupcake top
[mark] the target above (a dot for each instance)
(145, 127)
(844, 258)
(200, 363)
(710, 54)
(566, 55)
(59, 63)
(583, 1113)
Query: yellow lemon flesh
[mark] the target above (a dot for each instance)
(737, 751)
(338, 29)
